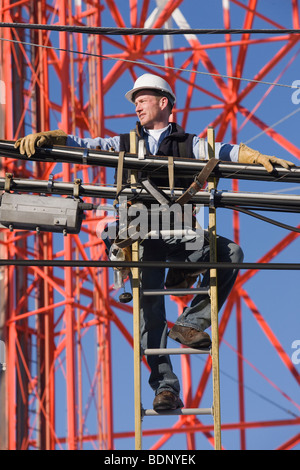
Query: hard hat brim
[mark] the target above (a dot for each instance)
(130, 94)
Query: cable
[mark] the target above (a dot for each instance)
(114, 31)
(260, 395)
(164, 67)
(149, 264)
(273, 126)
(265, 219)
(250, 389)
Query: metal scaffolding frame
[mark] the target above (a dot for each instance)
(8, 184)
(292, 204)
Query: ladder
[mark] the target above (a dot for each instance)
(214, 410)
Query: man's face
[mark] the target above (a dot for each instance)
(148, 108)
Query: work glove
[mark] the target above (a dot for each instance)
(28, 143)
(248, 155)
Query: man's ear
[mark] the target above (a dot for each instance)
(163, 102)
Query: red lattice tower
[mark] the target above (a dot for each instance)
(69, 379)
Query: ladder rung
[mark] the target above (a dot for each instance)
(199, 290)
(179, 411)
(165, 351)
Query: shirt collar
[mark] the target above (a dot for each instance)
(167, 131)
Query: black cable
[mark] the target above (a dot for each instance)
(250, 389)
(114, 31)
(262, 217)
(148, 264)
(163, 67)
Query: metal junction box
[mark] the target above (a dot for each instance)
(41, 213)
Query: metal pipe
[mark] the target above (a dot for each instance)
(179, 411)
(290, 202)
(186, 167)
(201, 290)
(174, 351)
(148, 264)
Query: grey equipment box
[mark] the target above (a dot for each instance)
(41, 213)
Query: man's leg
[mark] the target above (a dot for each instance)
(197, 317)
(154, 326)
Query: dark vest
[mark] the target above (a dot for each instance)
(177, 144)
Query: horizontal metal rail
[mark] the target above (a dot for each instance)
(174, 351)
(259, 201)
(148, 264)
(186, 167)
(179, 411)
(200, 290)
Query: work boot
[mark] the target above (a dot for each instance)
(167, 401)
(190, 337)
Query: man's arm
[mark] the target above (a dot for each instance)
(248, 155)
(108, 143)
(238, 153)
(225, 152)
(28, 144)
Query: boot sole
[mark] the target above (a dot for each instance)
(205, 343)
(165, 407)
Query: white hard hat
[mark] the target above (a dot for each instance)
(151, 82)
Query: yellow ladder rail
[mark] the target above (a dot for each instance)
(135, 272)
(212, 222)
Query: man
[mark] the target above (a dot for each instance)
(154, 99)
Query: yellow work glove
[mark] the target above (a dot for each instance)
(28, 143)
(248, 155)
